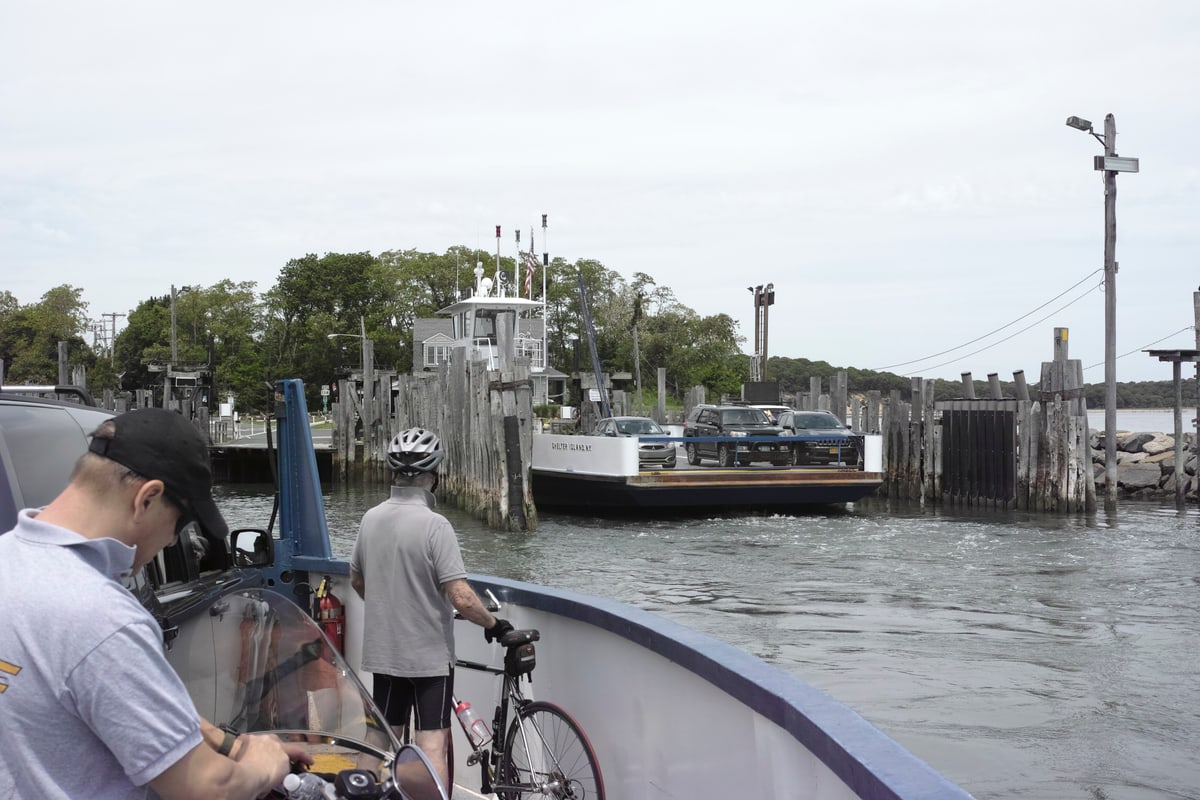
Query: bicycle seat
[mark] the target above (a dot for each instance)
(519, 637)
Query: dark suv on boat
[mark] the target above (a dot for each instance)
(821, 438)
(722, 433)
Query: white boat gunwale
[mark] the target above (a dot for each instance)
(872, 764)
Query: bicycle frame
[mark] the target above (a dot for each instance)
(490, 754)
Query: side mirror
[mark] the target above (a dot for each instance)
(252, 547)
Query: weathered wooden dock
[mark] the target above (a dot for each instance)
(247, 459)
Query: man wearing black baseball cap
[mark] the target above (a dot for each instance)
(159, 444)
(89, 706)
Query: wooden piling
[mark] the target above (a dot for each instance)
(483, 417)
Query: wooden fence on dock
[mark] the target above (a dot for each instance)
(1013, 453)
(995, 452)
(482, 416)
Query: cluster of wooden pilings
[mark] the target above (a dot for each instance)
(482, 416)
(1026, 452)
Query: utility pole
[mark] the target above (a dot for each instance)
(112, 316)
(1110, 164)
(764, 298)
(768, 300)
(754, 359)
(1110, 318)
(174, 346)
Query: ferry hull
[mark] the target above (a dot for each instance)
(702, 489)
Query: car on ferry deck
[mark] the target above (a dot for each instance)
(710, 423)
(650, 454)
(826, 440)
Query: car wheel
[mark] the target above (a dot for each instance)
(724, 455)
(692, 456)
(798, 455)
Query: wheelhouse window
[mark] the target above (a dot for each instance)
(484, 326)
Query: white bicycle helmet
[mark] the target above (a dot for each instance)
(414, 451)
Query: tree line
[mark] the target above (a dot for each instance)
(248, 339)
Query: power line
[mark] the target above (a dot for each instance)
(997, 330)
(1145, 346)
(1017, 333)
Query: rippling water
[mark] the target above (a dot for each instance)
(1020, 655)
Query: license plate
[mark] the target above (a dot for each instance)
(833, 451)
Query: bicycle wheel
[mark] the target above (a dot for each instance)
(548, 755)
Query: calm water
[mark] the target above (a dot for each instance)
(1150, 419)
(1020, 655)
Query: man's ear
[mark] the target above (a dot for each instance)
(146, 493)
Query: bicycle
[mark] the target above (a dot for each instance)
(543, 752)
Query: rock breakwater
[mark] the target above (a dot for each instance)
(1145, 463)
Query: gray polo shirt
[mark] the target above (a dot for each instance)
(89, 706)
(405, 551)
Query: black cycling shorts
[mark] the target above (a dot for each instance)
(428, 698)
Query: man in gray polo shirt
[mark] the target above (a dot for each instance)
(89, 706)
(409, 571)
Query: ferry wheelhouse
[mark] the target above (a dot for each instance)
(475, 324)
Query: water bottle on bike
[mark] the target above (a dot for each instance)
(476, 728)
(306, 786)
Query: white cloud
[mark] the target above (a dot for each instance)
(901, 172)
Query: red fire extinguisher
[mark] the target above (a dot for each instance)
(331, 615)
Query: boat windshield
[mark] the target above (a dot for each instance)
(258, 663)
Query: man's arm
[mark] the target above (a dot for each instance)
(358, 583)
(256, 764)
(466, 602)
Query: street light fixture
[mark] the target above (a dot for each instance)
(366, 345)
(1110, 165)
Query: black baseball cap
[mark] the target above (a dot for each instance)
(160, 444)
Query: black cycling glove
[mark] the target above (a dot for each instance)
(501, 627)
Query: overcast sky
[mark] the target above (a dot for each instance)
(901, 172)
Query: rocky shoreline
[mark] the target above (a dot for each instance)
(1145, 464)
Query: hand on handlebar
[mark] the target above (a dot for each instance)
(272, 755)
(501, 627)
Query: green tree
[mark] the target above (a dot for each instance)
(143, 347)
(30, 334)
(335, 293)
(234, 324)
(416, 285)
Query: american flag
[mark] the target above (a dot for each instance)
(530, 267)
